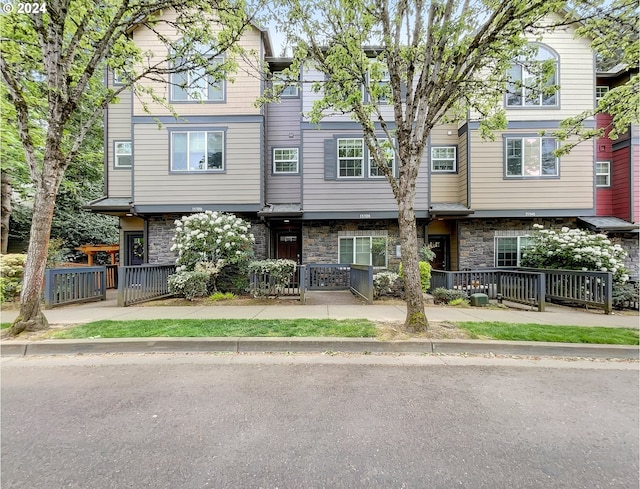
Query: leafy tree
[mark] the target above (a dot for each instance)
(614, 28)
(442, 58)
(52, 66)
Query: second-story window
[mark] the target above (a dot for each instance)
(285, 160)
(527, 83)
(350, 158)
(601, 91)
(196, 85)
(282, 88)
(122, 154)
(374, 170)
(603, 174)
(197, 151)
(530, 157)
(443, 159)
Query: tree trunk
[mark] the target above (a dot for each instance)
(6, 210)
(416, 319)
(31, 317)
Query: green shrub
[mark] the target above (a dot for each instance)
(234, 278)
(445, 296)
(272, 275)
(624, 294)
(221, 296)
(460, 302)
(388, 284)
(11, 270)
(425, 274)
(189, 285)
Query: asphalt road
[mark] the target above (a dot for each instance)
(166, 421)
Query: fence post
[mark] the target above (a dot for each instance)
(608, 294)
(48, 288)
(449, 280)
(121, 286)
(302, 279)
(370, 284)
(542, 291)
(103, 283)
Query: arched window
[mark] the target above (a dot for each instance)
(530, 80)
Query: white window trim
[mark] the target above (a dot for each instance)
(523, 96)
(372, 162)
(116, 155)
(603, 88)
(204, 170)
(297, 162)
(371, 236)
(519, 249)
(454, 159)
(522, 174)
(339, 159)
(607, 174)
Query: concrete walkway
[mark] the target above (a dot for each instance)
(108, 310)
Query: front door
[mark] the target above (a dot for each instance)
(288, 246)
(440, 246)
(135, 248)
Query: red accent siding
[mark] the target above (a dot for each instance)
(604, 196)
(620, 184)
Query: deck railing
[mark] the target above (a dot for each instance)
(77, 284)
(589, 288)
(327, 276)
(520, 285)
(141, 283)
(361, 281)
(524, 287)
(264, 284)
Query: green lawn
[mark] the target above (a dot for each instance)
(561, 334)
(352, 328)
(5, 325)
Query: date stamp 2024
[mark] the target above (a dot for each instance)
(31, 8)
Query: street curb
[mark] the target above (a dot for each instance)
(293, 345)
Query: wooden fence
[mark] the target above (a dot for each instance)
(141, 283)
(361, 281)
(327, 276)
(532, 286)
(71, 285)
(263, 284)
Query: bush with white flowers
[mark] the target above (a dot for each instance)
(210, 237)
(575, 249)
(206, 243)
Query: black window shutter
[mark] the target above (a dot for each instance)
(330, 159)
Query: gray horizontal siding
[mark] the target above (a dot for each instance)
(326, 195)
(283, 131)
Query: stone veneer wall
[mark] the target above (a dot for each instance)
(160, 229)
(630, 244)
(476, 238)
(320, 239)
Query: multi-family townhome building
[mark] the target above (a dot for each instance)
(617, 175)
(311, 191)
(160, 167)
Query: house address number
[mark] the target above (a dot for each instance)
(365, 216)
(529, 214)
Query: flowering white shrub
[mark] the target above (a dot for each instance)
(575, 249)
(189, 284)
(387, 283)
(271, 276)
(210, 237)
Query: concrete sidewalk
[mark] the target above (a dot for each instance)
(108, 310)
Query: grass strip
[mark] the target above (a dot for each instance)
(350, 328)
(5, 325)
(560, 334)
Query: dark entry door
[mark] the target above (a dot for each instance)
(135, 248)
(289, 246)
(440, 246)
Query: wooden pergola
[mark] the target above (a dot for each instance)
(91, 250)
